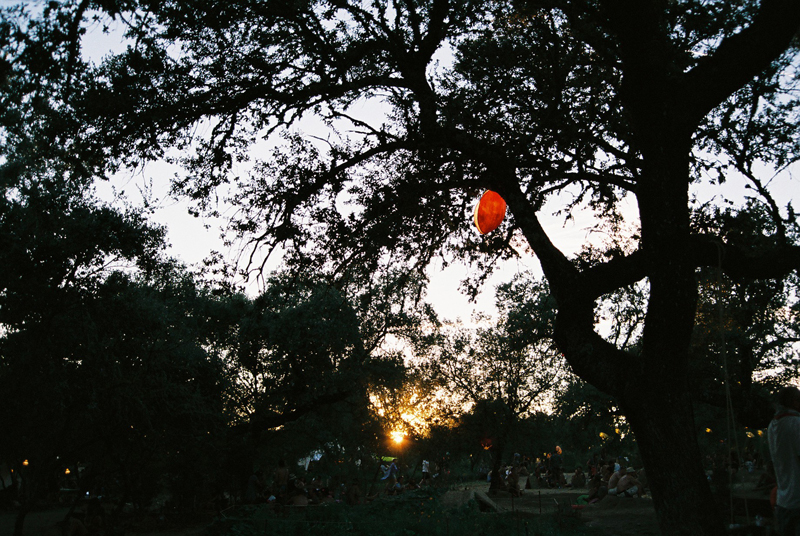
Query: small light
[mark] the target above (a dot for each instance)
(67, 471)
(708, 430)
(25, 463)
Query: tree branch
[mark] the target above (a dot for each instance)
(744, 263)
(740, 58)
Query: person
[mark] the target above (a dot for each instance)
(523, 469)
(524, 476)
(578, 479)
(391, 471)
(606, 471)
(281, 478)
(426, 470)
(399, 486)
(629, 485)
(557, 469)
(597, 490)
(254, 487)
(783, 436)
(298, 494)
(512, 480)
(318, 492)
(613, 481)
(591, 465)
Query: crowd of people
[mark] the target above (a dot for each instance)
(288, 489)
(612, 477)
(601, 478)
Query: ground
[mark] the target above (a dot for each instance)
(612, 516)
(46, 522)
(619, 517)
(615, 516)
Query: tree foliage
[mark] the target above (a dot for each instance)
(598, 100)
(504, 371)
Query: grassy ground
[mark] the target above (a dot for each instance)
(440, 512)
(422, 512)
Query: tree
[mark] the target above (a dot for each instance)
(504, 370)
(746, 331)
(58, 245)
(149, 388)
(98, 366)
(636, 98)
(313, 361)
(86, 355)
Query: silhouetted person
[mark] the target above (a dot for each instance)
(254, 488)
(784, 447)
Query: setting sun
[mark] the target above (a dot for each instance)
(397, 436)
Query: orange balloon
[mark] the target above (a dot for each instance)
(489, 212)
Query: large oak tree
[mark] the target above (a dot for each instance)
(601, 99)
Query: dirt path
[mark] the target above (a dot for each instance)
(613, 515)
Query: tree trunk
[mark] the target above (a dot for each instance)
(26, 498)
(19, 522)
(497, 462)
(663, 423)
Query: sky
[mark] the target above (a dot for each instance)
(192, 239)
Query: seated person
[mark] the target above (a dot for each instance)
(578, 479)
(641, 475)
(298, 493)
(523, 469)
(597, 489)
(399, 486)
(629, 485)
(605, 472)
(613, 482)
